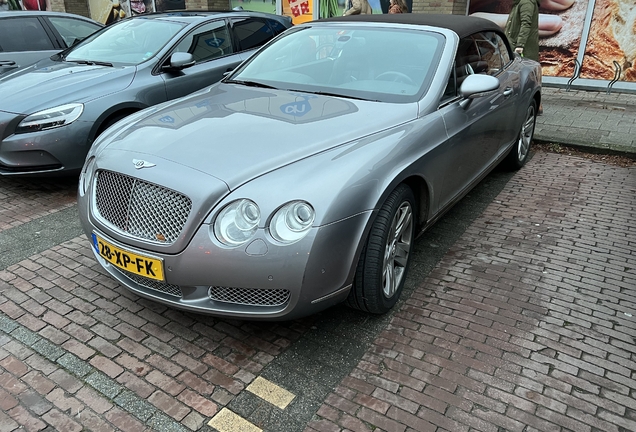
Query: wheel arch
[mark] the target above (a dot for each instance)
(370, 282)
(121, 110)
(537, 98)
(421, 190)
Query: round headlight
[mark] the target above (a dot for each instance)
(292, 222)
(237, 222)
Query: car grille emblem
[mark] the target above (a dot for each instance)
(139, 164)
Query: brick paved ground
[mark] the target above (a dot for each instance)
(526, 324)
(24, 200)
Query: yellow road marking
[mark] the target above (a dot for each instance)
(227, 421)
(271, 392)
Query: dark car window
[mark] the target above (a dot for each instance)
(504, 50)
(478, 54)
(23, 34)
(488, 46)
(251, 32)
(207, 42)
(73, 30)
(468, 59)
(276, 26)
(481, 53)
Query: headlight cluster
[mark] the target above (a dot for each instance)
(238, 221)
(51, 118)
(292, 222)
(86, 176)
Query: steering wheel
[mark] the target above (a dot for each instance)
(394, 76)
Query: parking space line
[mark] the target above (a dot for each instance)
(272, 393)
(228, 421)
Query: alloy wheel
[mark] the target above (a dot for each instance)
(397, 249)
(525, 137)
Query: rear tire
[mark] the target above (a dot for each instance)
(521, 149)
(384, 261)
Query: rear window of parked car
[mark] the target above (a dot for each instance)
(251, 32)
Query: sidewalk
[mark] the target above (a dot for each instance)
(588, 119)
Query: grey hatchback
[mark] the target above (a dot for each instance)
(52, 111)
(28, 36)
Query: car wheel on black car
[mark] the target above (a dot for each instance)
(382, 267)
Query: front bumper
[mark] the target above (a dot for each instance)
(310, 275)
(48, 151)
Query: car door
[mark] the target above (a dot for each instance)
(476, 128)
(213, 50)
(23, 41)
(250, 33)
(69, 31)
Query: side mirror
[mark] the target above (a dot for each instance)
(478, 85)
(180, 60)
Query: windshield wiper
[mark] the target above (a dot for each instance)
(323, 93)
(90, 62)
(250, 83)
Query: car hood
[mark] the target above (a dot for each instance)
(236, 133)
(49, 83)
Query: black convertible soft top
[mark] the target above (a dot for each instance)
(460, 24)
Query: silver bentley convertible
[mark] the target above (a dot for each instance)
(302, 178)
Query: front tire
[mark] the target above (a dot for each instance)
(382, 267)
(521, 149)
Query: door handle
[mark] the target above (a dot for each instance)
(5, 63)
(507, 92)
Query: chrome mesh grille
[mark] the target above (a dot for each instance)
(173, 290)
(251, 297)
(141, 209)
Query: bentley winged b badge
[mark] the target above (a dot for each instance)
(139, 164)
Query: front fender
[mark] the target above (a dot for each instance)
(356, 177)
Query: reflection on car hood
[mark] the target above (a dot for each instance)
(237, 133)
(47, 84)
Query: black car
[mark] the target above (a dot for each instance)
(28, 36)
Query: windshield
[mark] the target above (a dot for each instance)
(382, 64)
(129, 42)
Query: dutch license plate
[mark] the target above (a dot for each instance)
(131, 262)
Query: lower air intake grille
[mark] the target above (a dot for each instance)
(251, 297)
(173, 290)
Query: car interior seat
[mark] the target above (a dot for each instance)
(468, 61)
